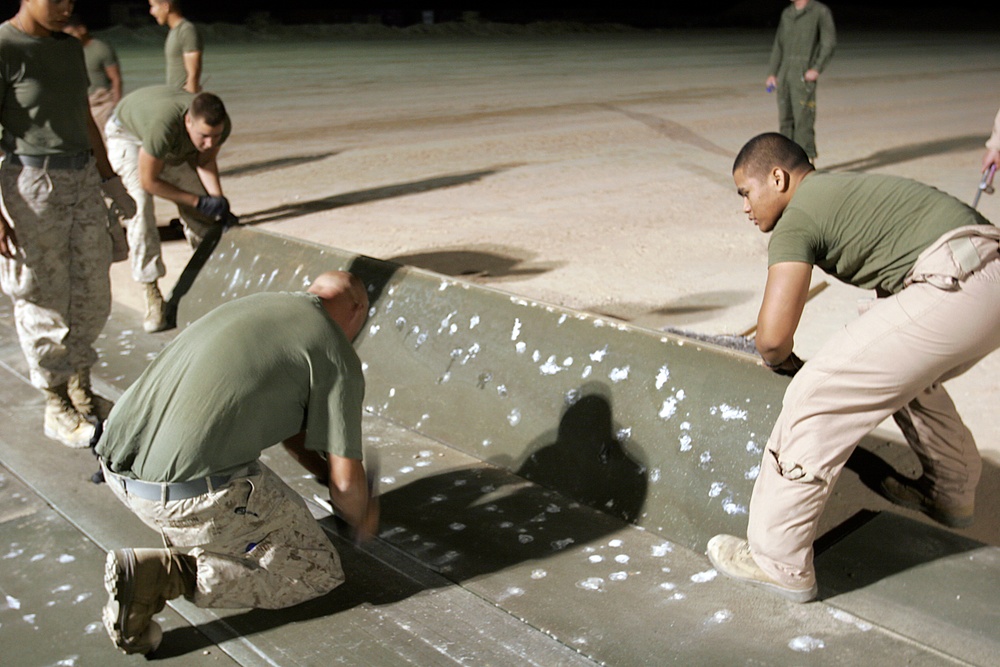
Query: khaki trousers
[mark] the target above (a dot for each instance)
(254, 540)
(58, 279)
(890, 360)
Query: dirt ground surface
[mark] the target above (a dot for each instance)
(589, 170)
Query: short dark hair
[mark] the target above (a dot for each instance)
(209, 108)
(769, 150)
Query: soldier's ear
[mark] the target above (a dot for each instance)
(780, 179)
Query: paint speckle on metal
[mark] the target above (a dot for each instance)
(597, 356)
(728, 412)
(595, 584)
(704, 577)
(721, 616)
(619, 374)
(515, 332)
(806, 644)
(668, 409)
(851, 619)
(539, 574)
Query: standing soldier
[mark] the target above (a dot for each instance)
(103, 71)
(55, 247)
(802, 49)
(183, 46)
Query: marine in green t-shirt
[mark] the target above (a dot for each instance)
(935, 263)
(183, 47)
(165, 142)
(250, 374)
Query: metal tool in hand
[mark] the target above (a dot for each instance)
(985, 184)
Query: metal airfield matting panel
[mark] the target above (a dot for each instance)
(473, 565)
(930, 585)
(661, 431)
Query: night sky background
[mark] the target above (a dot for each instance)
(857, 14)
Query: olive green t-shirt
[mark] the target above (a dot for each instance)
(182, 38)
(43, 94)
(99, 56)
(155, 115)
(243, 377)
(864, 229)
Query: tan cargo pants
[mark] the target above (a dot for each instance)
(891, 359)
(254, 540)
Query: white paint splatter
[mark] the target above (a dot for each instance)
(654, 475)
(668, 586)
(457, 526)
(669, 408)
(621, 558)
(13, 553)
(844, 617)
(68, 662)
(685, 426)
(685, 441)
(753, 473)
(721, 616)
(524, 538)
(514, 418)
(535, 356)
(623, 434)
(618, 576)
(539, 574)
(595, 558)
(661, 377)
(587, 370)
(13, 602)
(572, 396)
(93, 628)
(661, 550)
(559, 545)
(705, 458)
(619, 374)
(732, 508)
(550, 367)
(512, 592)
(753, 447)
(591, 584)
(729, 413)
(598, 356)
(806, 644)
(373, 329)
(387, 479)
(474, 321)
(62, 589)
(516, 331)
(81, 597)
(438, 498)
(615, 543)
(703, 577)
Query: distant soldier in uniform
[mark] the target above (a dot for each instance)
(103, 70)
(802, 48)
(183, 47)
(181, 451)
(55, 245)
(165, 142)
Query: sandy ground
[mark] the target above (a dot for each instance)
(586, 170)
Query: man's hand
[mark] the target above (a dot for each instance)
(811, 75)
(8, 240)
(121, 201)
(789, 367)
(216, 208)
(991, 159)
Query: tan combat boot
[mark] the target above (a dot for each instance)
(86, 402)
(63, 422)
(156, 319)
(139, 582)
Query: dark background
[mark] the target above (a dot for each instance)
(855, 14)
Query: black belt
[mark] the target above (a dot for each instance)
(75, 161)
(165, 491)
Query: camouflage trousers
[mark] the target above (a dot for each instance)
(143, 237)
(254, 540)
(58, 279)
